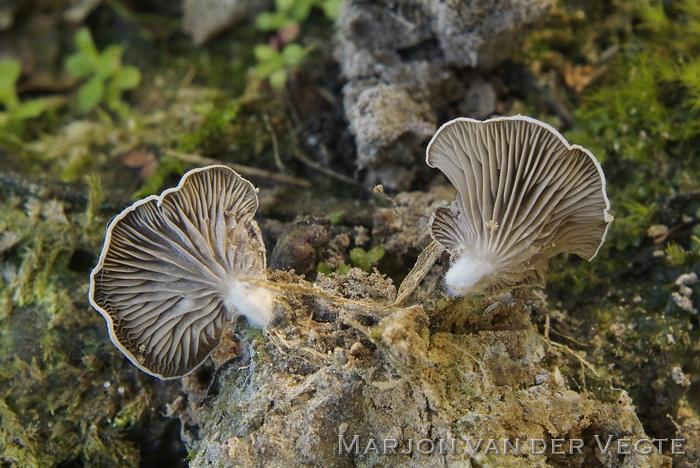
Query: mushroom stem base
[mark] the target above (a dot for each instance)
(255, 303)
(467, 271)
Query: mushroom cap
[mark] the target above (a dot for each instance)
(524, 195)
(166, 280)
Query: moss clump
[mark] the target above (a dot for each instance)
(64, 397)
(643, 120)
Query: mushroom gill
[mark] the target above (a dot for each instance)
(173, 267)
(524, 195)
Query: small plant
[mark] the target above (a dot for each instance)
(273, 64)
(107, 78)
(675, 254)
(294, 12)
(282, 53)
(15, 111)
(360, 258)
(335, 217)
(366, 259)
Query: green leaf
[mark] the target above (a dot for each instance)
(293, 54)
(127, 77)
(84, 43)
(343, 270)
(299, 11)
(30, 109)
(284, 5)
(90, 94)
(335, 217)
(111, 95)
(278, 79)
(375, 253)
(365, 259)
(109, 61)
(359, 258)
(264, 53)
(9, 74)
(81, 65)
(323, 268)
(268, 21)
(331, 8)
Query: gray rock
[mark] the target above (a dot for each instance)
(203, 19)
(402, 61)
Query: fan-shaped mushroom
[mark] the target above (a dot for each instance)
(524, 195)
(173, 267)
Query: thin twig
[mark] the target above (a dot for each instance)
(573, 353)
(424, 263)
(569, 338)
(323, 169)
(299, 154)
(275, 143)
(198, 160)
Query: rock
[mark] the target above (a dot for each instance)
(688, 429)
(479, 101)
(393, 123)
(203, 19)
(406, 62)
(298, 246)
(403, 228)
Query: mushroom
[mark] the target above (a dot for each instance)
(524, 195)
(173, 271)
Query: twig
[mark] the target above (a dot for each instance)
(198, 160)
(424, 263)
(573, 353)
(275, 144)
(323, 169)
(299, 154)
(567, 337)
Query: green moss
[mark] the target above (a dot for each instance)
(130, 414)
(375, 334)
(57, 397)
(191, 454)
(675, 254)
(215, 119)
(18, 443)
(643, 122)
